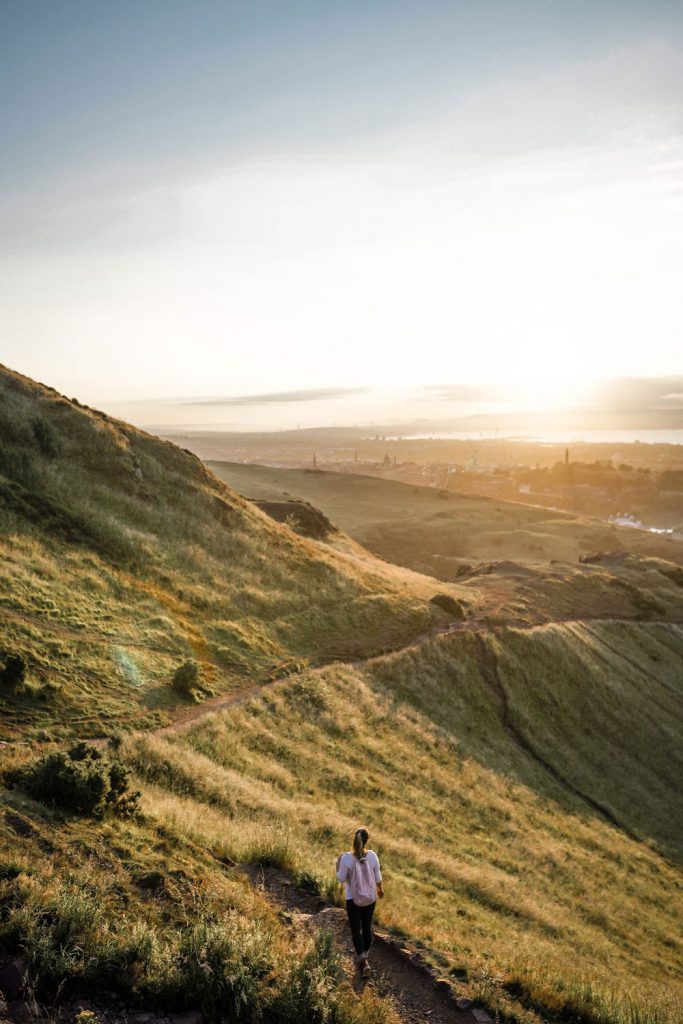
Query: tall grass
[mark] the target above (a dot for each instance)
(212, 943)
(486, 867)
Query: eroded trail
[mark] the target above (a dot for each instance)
(400, 971)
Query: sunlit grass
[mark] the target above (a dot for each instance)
(123, 556)
(487, 873)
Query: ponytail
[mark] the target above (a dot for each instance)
(359, 841)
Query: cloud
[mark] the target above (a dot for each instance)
(460, 392)
(278, 397)
(636, 394)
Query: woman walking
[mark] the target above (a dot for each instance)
(360, 872)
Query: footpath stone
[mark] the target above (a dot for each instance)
(12, 978)
(191, 1017)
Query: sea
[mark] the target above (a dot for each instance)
(554, 436)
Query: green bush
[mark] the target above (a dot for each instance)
(82, 780)
(45, 436)
(13, 672)
(186, 677)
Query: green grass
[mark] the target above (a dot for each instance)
(600, 702)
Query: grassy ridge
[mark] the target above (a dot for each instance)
(585, 712)
(508, 877)
(122, 556)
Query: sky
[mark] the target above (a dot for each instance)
(345, 208)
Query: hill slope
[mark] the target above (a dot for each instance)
(507, 826)
(123, 556)
(520, 775)
(435, 532)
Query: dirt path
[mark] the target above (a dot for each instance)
(419, 994)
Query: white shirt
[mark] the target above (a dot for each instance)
(346, 865)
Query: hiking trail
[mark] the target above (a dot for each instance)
(418, 992)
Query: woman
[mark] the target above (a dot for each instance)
(360, 872)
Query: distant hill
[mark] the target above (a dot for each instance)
(123, 557)
(436, 532)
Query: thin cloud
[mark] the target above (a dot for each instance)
(279, 397)
(631, 394)
(460, 392)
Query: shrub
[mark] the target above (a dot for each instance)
(45, 436)
(82, 780)
(13, 672)
(63, 932)
(186, 677)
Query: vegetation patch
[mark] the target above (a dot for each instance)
(82, 780)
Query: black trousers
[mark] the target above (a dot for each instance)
(360, 922)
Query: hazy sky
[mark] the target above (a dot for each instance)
(207, 200)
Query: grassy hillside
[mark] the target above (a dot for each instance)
(520, 775)
(491, 772)
(131, 915)
(435, 532)
(123, 557)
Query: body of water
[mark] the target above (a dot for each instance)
(554, 436)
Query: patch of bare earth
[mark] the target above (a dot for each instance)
(399, 972)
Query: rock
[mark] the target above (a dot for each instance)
(442, 984)
(20, 826)
(12, 978)
(191, 1017)
(301, 516)
(18, 1011)
(450, 605)
(463, 1003)
(482, 1017)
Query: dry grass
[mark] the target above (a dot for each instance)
(488, 872)
(145, 912)
(419, 528)
(123, 556)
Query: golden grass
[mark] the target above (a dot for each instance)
(489, 873)
(122, 556)
(420, 528)
(142, 909)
